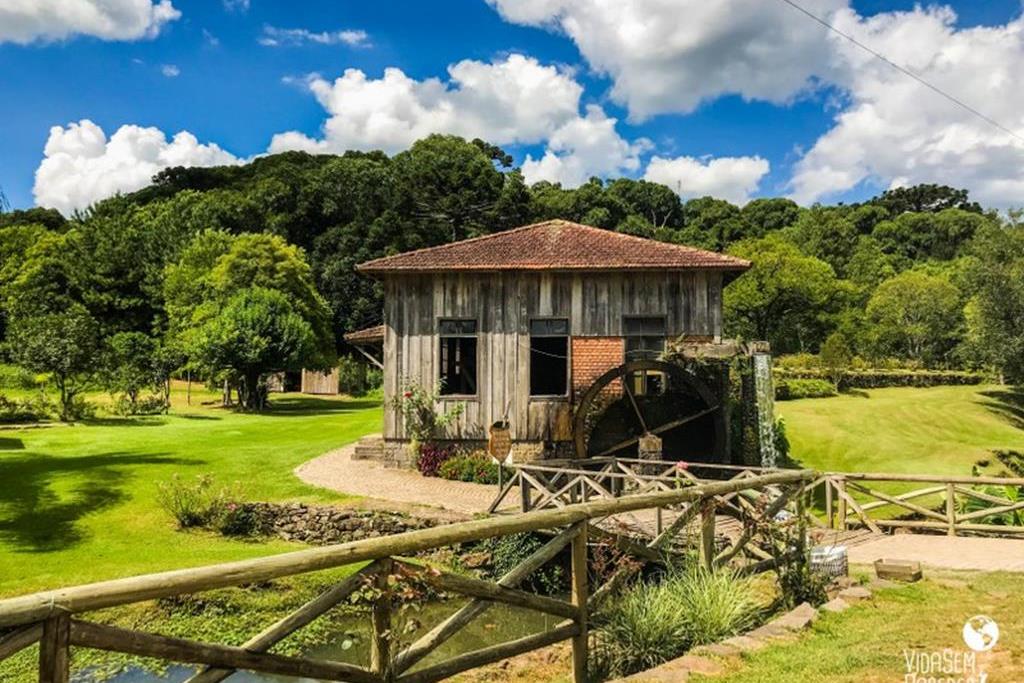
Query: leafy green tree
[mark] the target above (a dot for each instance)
(767, 215)
(714, 223)
(835, 356)
(925, 198)
(65, 345)
(259, 331)
(131, 365)
(655, 203)
(995, 313)
(785, 298)
(915, 315)
(942, 235)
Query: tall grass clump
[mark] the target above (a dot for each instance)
(651, 623)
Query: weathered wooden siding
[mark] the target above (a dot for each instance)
(503, 305)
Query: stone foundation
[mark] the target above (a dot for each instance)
(325, 525)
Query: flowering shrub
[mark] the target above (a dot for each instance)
(432, 457)
(474, 468)
(196, 503)
(418, 405)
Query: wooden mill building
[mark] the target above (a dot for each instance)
(518, 325)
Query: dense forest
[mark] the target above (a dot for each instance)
(197, 268)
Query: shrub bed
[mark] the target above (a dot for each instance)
(471, 467)
(789, 389)
(878, 379)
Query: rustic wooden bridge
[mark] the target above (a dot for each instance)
(57, 619)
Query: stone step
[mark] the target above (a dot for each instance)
(369, 448)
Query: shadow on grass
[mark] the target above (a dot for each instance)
(43, 498)
(314, 405)
(150, 421)
(1008, 403)
(11, 444)
(195, 416)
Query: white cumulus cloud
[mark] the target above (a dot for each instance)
(170, 70)
(27, 21)
(731, 178)
(515, 99)
(584, 147)
(81, 166)
(672, 55)
(896, 131)
(278, 37)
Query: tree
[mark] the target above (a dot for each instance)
(784, 298)
(925, 198)
(64, 345)
(714, 223)
(995, 313)
(131, 364)
(767, 215)
(835, 357)
(920, 236)
(258, 332)
(915, 315)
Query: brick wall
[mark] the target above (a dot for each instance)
(592, 357)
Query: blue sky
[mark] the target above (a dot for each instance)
(232, 91)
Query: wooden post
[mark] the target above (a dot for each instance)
(54, 650)
(524, 494)
(579, 599)
(829, 512)
(707, 533)
(841, 488)
(380, 619)
(951, 509)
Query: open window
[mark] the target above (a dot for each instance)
(549, 357)
(458, 357)
(645, 340)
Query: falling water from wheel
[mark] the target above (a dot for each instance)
(764, 392)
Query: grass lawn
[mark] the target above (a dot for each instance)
(939, 430)
(77, 504)
(866, 644)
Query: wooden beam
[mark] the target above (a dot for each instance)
(18, 639)
(658, 430)
(55, 650)
(115, 639)
(868, 522)
(301, 617)
(580, 591)
(38, 606)
(450, 626)
(490, 655)
(707, 534)
(487, 590)
(380, 622)
(898, 502)
(369, 356)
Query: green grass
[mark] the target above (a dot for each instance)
(78, 503)
(866, 643)
(939, 430)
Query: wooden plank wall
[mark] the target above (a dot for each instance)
(503, 305)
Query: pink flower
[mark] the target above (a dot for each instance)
(682, 465)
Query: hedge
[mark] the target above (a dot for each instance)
(793, 388)
(876, 379)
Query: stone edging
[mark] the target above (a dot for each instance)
(707, 659)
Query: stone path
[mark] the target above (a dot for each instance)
(384, 487)
(337, 471)
(986, 554)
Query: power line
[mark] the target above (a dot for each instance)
(904, 70)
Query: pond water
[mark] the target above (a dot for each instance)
(498, 624)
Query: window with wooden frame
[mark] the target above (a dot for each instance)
(645, 340)
(549, 357)
(458, 356)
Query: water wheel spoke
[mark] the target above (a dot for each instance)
(658, 430)
(636, 407)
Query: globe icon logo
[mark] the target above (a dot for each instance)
(981, 633)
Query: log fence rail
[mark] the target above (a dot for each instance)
(54, 619)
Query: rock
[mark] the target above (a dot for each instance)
(835, 605)
(798, 618)
(855, 594)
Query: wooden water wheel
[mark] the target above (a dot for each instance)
(651, 397)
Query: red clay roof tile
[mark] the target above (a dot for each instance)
(554, 245)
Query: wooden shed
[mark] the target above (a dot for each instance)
(517, 325)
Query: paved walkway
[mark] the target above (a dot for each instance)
(386, 486)
(337, 471)
(944, 552)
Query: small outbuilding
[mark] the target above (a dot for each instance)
(559, 330)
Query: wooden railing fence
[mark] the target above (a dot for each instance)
(935, 503)
(55, 620)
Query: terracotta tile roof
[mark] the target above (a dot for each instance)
(554, 245)
(369, 335)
